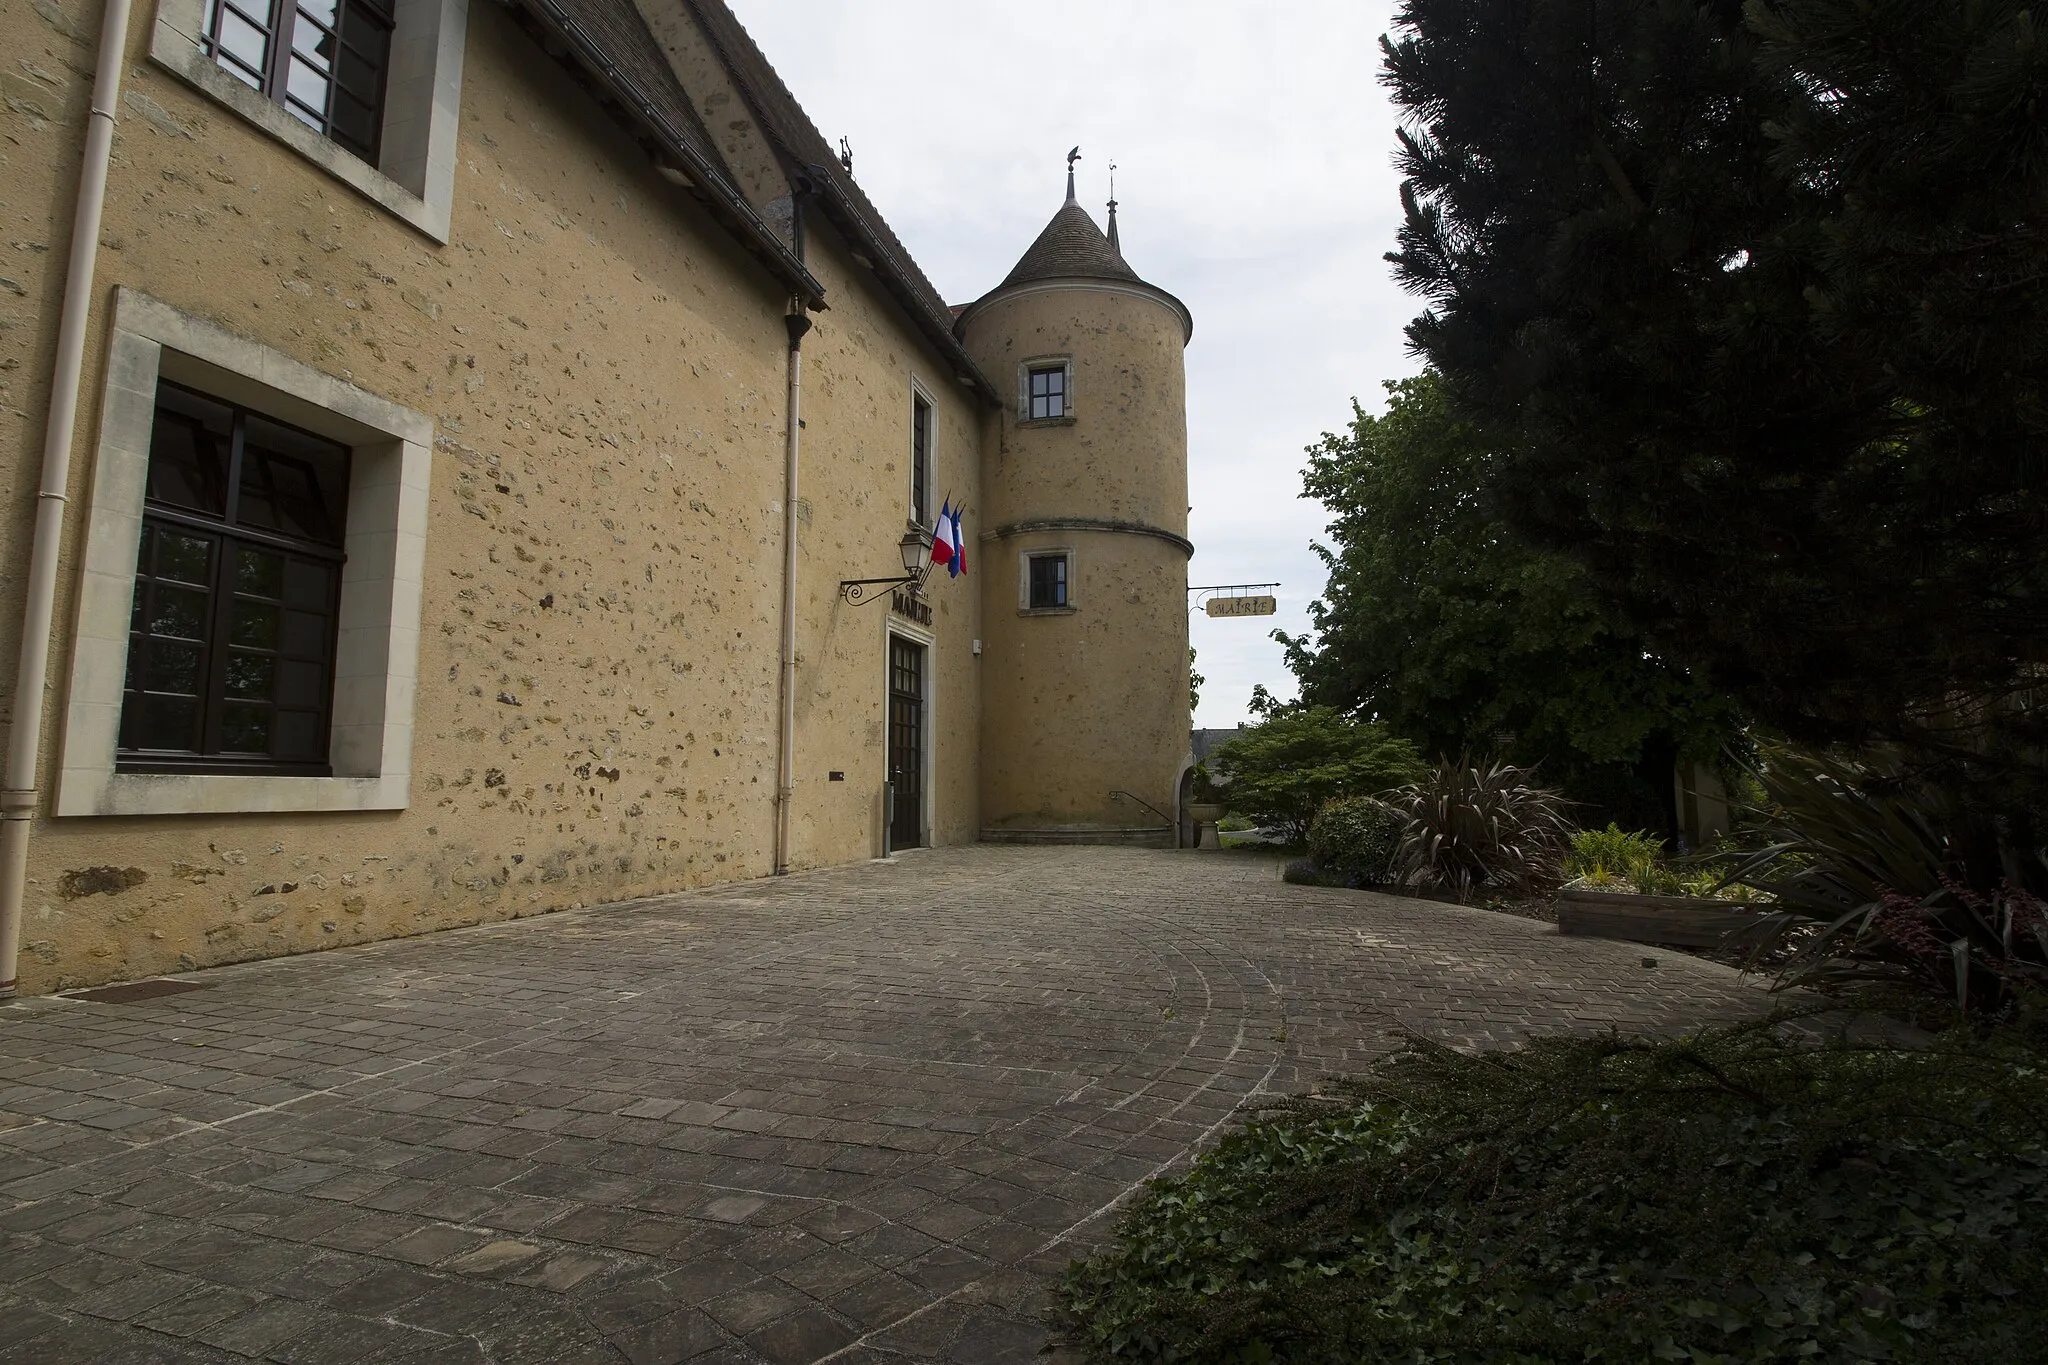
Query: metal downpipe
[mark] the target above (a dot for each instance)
(18, 795)
(785, 781)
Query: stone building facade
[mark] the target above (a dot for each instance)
(420, 548)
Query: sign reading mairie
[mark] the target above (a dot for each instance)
(911, 607)
(1242, 606)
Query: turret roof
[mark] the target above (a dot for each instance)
(1071, 247)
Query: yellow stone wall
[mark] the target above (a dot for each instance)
(853, 508)
(606, 374)
(1080, 704)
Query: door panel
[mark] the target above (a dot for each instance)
(906, 742)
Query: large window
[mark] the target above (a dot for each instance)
(323, 60)
(237, 587)
(1046, 392)
(1048, 582)
(920, 459)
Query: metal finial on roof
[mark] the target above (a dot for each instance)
(1072, 157)
(846, 156)
(1113, 246)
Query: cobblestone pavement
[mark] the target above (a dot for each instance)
(858, 1115)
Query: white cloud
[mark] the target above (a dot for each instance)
(1253, 149)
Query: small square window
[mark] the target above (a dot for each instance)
(1046, 392)
(1048, 581)
(237, 593)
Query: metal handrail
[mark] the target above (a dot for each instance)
(1171, 823)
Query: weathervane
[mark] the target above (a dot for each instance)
(1114, 244)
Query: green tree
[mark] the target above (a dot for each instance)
(1753, 303)
(1281, 771)
(1195, 681)
(1438, 622)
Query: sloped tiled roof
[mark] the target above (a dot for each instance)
(798, 140)
(1071, 247)
(606, 44)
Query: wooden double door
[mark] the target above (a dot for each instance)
(906, 742)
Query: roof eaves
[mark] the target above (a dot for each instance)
(706, 179)
(847, 216)
(804, 152)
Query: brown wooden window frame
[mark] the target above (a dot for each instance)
(218, 646)
(353, 33)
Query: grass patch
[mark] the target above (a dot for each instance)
(1727, 1198)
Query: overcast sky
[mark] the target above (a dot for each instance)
(1254, 180)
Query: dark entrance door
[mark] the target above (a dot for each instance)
(906, 742)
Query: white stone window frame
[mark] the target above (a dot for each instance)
(1024, 558)
(415, 173)
(1043, 362)
(918, 390)
(377, 642)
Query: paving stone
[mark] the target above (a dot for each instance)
(882, 1104)
(682, 1336)
(807, 1336)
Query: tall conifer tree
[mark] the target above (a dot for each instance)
(1754, 301)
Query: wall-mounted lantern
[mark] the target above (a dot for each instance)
(916, 547)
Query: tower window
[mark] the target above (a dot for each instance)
(323, 60)
(1047, 581)
(1046, 392)
(920, 459)
(237, 590)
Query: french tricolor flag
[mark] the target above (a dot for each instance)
(949, 545)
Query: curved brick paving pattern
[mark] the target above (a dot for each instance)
(857, 1115)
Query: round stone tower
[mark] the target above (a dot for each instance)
(1083, 540)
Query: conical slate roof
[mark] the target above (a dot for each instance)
(1071, 246)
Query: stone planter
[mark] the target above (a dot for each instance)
(1682, 921)
(1205, 814)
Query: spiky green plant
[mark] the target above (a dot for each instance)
(1882, 874)
(1476, 823)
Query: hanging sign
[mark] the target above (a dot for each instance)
(1242, 606)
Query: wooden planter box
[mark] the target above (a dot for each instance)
(1682, 921)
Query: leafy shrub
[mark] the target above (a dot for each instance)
(1356, 836)
(1884, 875)
(1308, 872)
(1610, 858)
(1472, 824)
(1732, 1197)
(1281, 771)
(1609, 853)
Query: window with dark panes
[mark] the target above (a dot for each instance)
(323, 60)
(237, 592)
(1048, 581)
(920, 460)
(1048, 395)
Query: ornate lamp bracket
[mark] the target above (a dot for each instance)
(916, 548)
